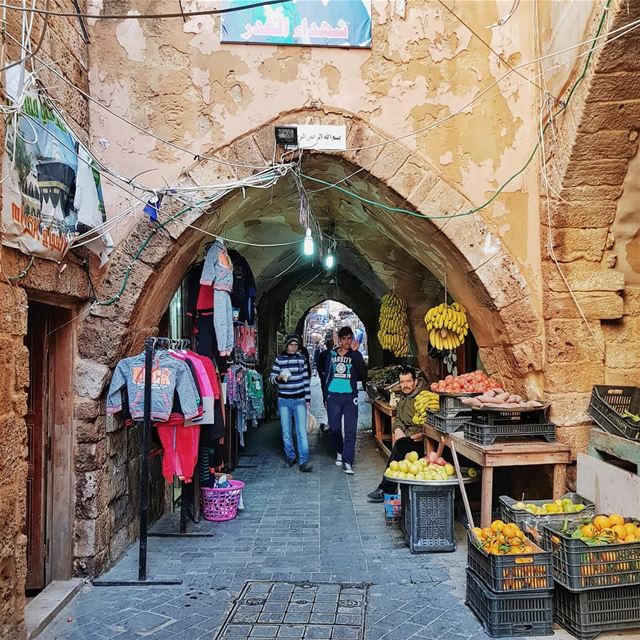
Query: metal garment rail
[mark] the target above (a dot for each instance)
(150, 346)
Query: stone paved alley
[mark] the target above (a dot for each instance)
(296, 528)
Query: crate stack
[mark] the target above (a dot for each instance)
(452, 414)
(615, 409)
(510, 594)
(597, 588)
(486, 426)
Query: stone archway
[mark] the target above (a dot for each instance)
(482, 275)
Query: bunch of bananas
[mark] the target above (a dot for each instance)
(447, 325)
(393, 332)
(425, 400)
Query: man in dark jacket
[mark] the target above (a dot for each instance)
(343, 369)
(408, 436)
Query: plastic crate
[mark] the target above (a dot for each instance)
(483, 433)
(578, 566)
(588, 613)
(446, 424)
(392, 509)
(539, 415)
(508, 573)
(427, 517)
(524, 519)
(509, 615)
(451, 404)
(607, 404)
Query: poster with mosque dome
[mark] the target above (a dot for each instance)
(324, 23)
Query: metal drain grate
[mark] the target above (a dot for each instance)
(300, 611)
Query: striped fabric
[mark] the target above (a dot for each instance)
(297, 386)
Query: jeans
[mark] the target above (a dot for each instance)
(223, 321)
(401, 447)
(345, 405)
(295, 408)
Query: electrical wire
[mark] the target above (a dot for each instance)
(196, 156)
(543, 167)
(505, 184)
(148, 16)
(33, 53)
(486, 44)
(475, 100)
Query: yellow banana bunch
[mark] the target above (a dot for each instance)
(425, 401)
(393, 330)
(447, 325)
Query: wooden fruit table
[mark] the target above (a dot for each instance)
(504, 454)
(382, 415)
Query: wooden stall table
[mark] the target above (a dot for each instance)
(382, 415)
(504, 454)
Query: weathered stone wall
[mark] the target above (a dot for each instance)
(64, 48)
(14, 378)
(591, 296)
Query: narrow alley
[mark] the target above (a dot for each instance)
(310, 535)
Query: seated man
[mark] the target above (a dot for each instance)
(408, 436)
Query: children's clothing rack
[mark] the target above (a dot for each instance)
(150, 346)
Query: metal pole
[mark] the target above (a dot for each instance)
(144, 461)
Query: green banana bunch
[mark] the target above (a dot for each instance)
(393, 331)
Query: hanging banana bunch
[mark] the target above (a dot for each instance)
(393, 330)
(447, 326)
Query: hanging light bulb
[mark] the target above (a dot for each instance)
(307, 247)
(329, 260)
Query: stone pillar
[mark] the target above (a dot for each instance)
(14, 378)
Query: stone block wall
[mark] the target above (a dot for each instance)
(64, 49)
(14, 379)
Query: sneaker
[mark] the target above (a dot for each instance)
(289, 463)
(376, 496)
(338, 460)
(347, 469)
(306, 467)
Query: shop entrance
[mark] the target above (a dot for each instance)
(48, 520)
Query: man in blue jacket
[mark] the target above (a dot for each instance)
(344, 368)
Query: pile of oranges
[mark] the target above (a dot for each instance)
(502, 539)
(608, 530)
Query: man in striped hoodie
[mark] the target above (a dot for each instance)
(291, 374)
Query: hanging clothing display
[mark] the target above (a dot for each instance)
(185, 404)
(245, 395)
(221, 295)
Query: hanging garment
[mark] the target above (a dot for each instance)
(218, 269)
(245, 342)
(255, 394)
(168, 377)
(179, 448)
(223, 321)
(244, 292)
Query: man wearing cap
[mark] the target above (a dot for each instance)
(290, 372)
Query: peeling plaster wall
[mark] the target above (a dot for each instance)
(422, 68)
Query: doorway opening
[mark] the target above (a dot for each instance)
(322, 323)
(50, 478)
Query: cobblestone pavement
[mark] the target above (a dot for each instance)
(317, 529)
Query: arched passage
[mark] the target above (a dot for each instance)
(378, 251)
(480, 271)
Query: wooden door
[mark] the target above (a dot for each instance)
(37, 440)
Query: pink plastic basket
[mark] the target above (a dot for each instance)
(219, 505)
